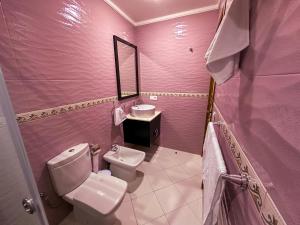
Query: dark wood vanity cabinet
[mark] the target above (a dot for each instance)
(142, 132)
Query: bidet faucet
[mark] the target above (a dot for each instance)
(115, 147)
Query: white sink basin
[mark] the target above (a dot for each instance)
(143, 110)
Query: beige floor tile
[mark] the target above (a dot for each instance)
(150, 167)
(139, 186)
(127, 197)
(193, 167)
(125, 214)
(196, 207)
(146, 208)
(163, 151)
(159, 180)
(190, 188)
(196, 156)
(69, 220)
(182, 216)
(183, 156)
(140, 168)
(154, 161)
(168, 162)
(177, 173)
(166, 152)
(173, 158)
(170, 198)
(159, 221)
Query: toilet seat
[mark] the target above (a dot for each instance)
(99, 193)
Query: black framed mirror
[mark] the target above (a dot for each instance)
(126, 62)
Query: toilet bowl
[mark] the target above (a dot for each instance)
(95, 197)
(124, 162)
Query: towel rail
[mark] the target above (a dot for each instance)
(218, 123)
(242, 180)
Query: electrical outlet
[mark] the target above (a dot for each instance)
(153, 97)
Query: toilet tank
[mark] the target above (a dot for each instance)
(70, 168)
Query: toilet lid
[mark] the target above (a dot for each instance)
(98, 195)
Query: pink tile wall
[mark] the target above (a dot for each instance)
(240, 206)
(61, 53)
(182, 122)
(168, 65)
(166, 61)
(261, 103)
(69, 54)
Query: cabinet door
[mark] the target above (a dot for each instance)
(154, 129)
(137, 132)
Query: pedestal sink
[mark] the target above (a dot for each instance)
(143, 110)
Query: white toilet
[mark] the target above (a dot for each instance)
(124, 161)
(95, 197)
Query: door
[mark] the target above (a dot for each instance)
(20, 203)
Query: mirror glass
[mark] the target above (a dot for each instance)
(126, 68)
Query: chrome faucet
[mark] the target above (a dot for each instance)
(115, 147)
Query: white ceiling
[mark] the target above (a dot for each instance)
(140, 12)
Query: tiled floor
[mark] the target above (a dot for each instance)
(167, 191)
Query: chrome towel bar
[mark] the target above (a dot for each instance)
(242, 180)
(218, 123)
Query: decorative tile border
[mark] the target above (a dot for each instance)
(262, 200)
(176, 94)
(170, 94)
(45, 113)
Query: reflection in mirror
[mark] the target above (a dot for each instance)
(126, 68)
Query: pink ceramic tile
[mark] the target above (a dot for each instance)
(140, 186)
(60, 53)
(150, 167)
(146, 208)
(193, 167)
(159, 180)
(69, 48)
(197, 208)
(51, 57)
(177, 173)
(30, 95)
(182, 122)
(159, 221)
(270, 213)
(274, 46)
(181, 216)
(190, 188)
(170, 198)
(262, 115)
(125, 214)
(170, 58)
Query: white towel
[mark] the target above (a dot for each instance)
(232, 36)
(119, 116)
(213, 168)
